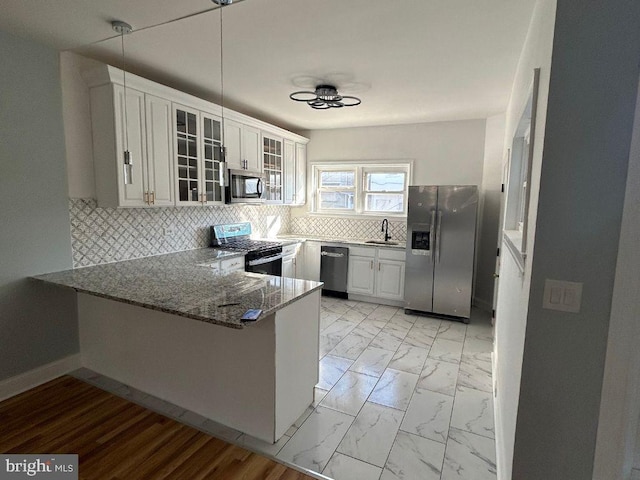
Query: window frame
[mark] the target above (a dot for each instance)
(360, 169)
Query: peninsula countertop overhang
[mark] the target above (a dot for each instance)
(184, 284)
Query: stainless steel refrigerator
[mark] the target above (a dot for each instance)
(441, 231)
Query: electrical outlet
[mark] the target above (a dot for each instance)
(169, 231)
(562, 296)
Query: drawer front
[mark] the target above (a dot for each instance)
(231, 264)
(391, 254)
(362, 251)
(290, 249)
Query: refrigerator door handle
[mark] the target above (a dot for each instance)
(438, 236)
(432, 229)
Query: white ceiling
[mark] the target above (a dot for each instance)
(408, 60)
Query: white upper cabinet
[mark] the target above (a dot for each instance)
(198, 139)
(175, 142)
(144, 129)
(159, 151)
(233, 144)
(295, 172)
(243, 146)
(272, 154)
(299, 196)
(289, 162)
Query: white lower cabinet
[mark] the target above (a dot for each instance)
(376, 272)
(311, 261)
(390, 279)
(293, 261)
(361, 274)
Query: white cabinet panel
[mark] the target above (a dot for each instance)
(144, 132)
(390, 279)
(312, 261)
(233, 143)
(289, 174)
(288, 267)
(159, 151)
(361, 275)
(300, 195)
(251, 148)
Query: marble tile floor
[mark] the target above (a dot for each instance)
(400, 397)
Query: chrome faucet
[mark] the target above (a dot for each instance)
(385, 229)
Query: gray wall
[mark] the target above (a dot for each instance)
(592, 92)
(38, 323)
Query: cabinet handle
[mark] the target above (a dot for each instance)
(371, 267)
(153, 198)
(146, 198)
(378, 266)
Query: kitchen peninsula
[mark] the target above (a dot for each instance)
(170, 325)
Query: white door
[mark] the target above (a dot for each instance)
(251, 148)
(233, 144)
(289, 173)
(159, 151)
(299, 197)
(130, 133)
(496, 274)
(361, 275)
(312, 261)
(390, 279)
(288, 269)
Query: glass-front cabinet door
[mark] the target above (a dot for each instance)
(198, 157)
(272, 167)
(187, 156)
(212, 159)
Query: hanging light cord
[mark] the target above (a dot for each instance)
(222, 79)
(124, 82)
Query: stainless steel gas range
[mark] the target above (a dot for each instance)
(262, 256)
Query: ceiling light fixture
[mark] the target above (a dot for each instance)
(325, 97)
(123, 29)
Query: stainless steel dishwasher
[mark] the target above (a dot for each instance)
(334, 265)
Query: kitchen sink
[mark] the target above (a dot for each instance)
(381, 242)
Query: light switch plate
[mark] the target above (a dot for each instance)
(562, 296)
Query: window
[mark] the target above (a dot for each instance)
(354, 188)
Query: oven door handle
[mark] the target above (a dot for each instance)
(262, 261)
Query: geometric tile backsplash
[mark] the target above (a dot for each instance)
(347, 228)
(104, 235)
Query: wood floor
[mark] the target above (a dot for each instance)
(117, 439)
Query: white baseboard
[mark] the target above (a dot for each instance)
(483, 304)
(25, 381)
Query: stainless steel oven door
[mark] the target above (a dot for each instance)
(271, 265)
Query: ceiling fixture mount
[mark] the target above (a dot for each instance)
(222, 3)
(325, 97)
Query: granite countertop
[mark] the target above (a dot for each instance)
(183, 284)
(350, 241)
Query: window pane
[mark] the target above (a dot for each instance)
(337, 179)
(336, 200)
(380, 202)
(385, 182)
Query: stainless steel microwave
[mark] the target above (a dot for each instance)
(244, 186)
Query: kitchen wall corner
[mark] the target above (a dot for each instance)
(103, 235)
